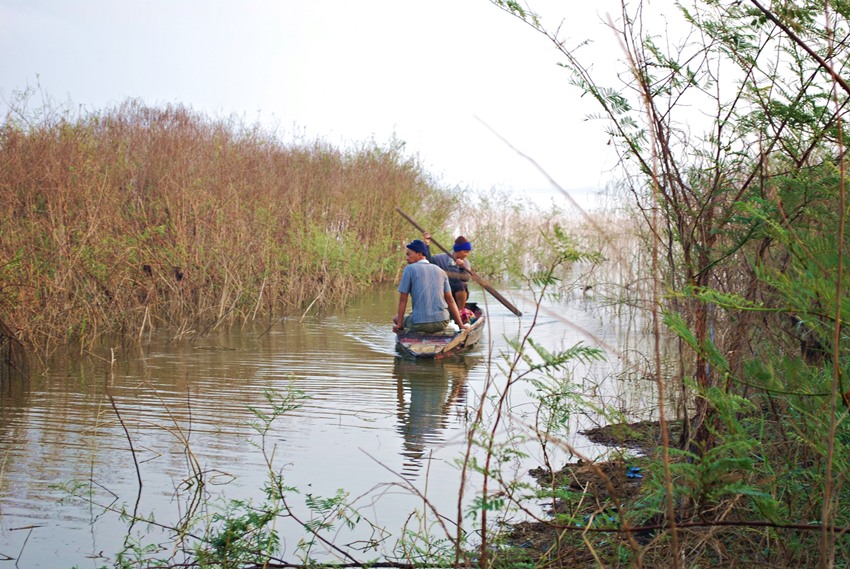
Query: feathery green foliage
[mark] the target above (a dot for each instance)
(744, 211)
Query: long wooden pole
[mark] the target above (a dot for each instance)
(484, 284)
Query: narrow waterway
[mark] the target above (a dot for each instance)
(386, 431)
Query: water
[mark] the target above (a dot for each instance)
(386, 430)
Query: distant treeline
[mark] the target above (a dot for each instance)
(123, 221)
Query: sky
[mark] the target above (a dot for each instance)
(453, 79)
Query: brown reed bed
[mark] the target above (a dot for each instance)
(135, 218)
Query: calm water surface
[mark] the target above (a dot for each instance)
(370, 423)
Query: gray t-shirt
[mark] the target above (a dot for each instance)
(426, 284)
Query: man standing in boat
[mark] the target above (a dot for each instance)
(456, 267)
(428, 287)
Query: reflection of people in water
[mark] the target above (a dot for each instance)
(427, 390)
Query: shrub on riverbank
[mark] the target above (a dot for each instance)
(137, 217)
(741, 253)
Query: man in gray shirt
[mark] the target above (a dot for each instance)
(428, 287)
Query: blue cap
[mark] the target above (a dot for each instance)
(418, 246)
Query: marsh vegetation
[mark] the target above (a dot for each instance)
(728, 267)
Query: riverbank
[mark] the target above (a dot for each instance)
(588, 496)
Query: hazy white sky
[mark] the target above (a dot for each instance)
(428, 72)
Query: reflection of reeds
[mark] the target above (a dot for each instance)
(13, 357)
(138, 217)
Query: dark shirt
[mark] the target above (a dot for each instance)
(458, 276)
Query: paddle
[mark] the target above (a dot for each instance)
(484, 284)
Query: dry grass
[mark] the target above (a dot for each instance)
(136, 218)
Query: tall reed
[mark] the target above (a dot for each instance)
(134, 218)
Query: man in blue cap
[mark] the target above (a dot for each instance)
(428, 287)
(456, 266)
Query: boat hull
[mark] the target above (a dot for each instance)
(442, 345)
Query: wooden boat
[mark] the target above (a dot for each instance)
(442, 344)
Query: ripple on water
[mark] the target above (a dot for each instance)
(367, 417)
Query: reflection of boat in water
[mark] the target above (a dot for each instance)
(429, 391)
(442, 344)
